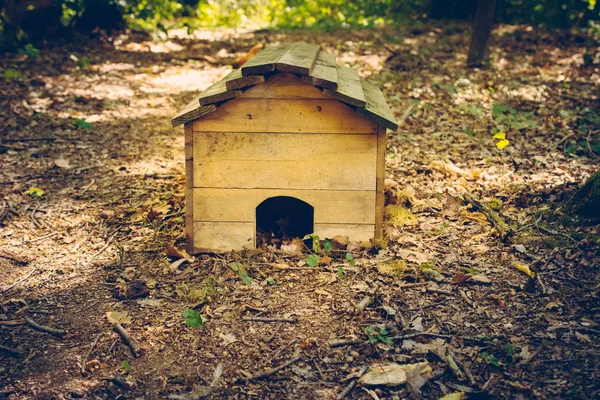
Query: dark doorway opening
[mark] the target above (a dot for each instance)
(281, 219)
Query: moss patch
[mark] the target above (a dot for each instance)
(196, 293)
(398, 216)
(392, 267)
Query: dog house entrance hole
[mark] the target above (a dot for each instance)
(281, 219)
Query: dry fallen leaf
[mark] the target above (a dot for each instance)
(525, 269)
(393, 374)
(118, 317)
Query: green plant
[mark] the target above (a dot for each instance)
(378, 335)
(13, 74)
(192, 318)
(126, 366)
(490, 359)
(241, 271)
(81, 123)
(29, 51)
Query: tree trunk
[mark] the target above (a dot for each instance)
(586, 202)
(484, 18)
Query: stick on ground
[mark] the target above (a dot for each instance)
(351, 385)
(43, 328)
(271, 371)
(10, 351)
(89, 352)
(136, 350)
(264, 319)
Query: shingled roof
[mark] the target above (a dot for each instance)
(315, 66)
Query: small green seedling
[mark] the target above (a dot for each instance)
(125, 365)
(192, 318)
(81, 123)
(490, 359)
(376, 335)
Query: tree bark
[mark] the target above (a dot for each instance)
(482, 28)
(586, 202)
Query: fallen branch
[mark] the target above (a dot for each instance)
(10, 256)
(13, 322)
(265, 319)
(136, 350)
(351, 385)
(43, 328)
(10, 351)
(271, 371)
(503, 229)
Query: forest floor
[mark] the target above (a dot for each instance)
(91, 217)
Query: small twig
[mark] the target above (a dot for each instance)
(403, 322)
(466, 370)
(87, 187)
(414, 335)
(6, 289)
(281, 349)
(112, 345)
(10, 351)
(439, 291)
(103, 248)
(271, 371)
(351, 385)
(89, 352)
(411, 285)
(49, 139)
(265, 319)
(587, 139)
(133, 346)
(43, 328)
(38, 238)
(275, 332)
(454, 367)
(343, 342)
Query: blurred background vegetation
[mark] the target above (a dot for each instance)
(22, 21)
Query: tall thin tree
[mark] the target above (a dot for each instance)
(482, 28)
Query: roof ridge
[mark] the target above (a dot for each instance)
(314, 65)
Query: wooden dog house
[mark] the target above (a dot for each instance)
(290, 134)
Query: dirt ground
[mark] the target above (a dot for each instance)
(91, 216)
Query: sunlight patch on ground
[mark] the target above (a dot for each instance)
(149, 47)
(177, 80)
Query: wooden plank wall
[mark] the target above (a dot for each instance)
(264, 145)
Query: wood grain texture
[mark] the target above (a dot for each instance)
(223, 236)
(282, 115)
(380, 197)
(349, 89)
(284, 85)
(264, 61)
(299, 58)
(356, 232)
(235, 80)
(377, 108)
(191, 112)
(324, 72)
(285, 161)
(189, 190)
(216, 93)
(357, 207)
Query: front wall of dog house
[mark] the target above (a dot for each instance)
(281, 138)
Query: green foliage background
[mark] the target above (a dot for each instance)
(161, 15)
